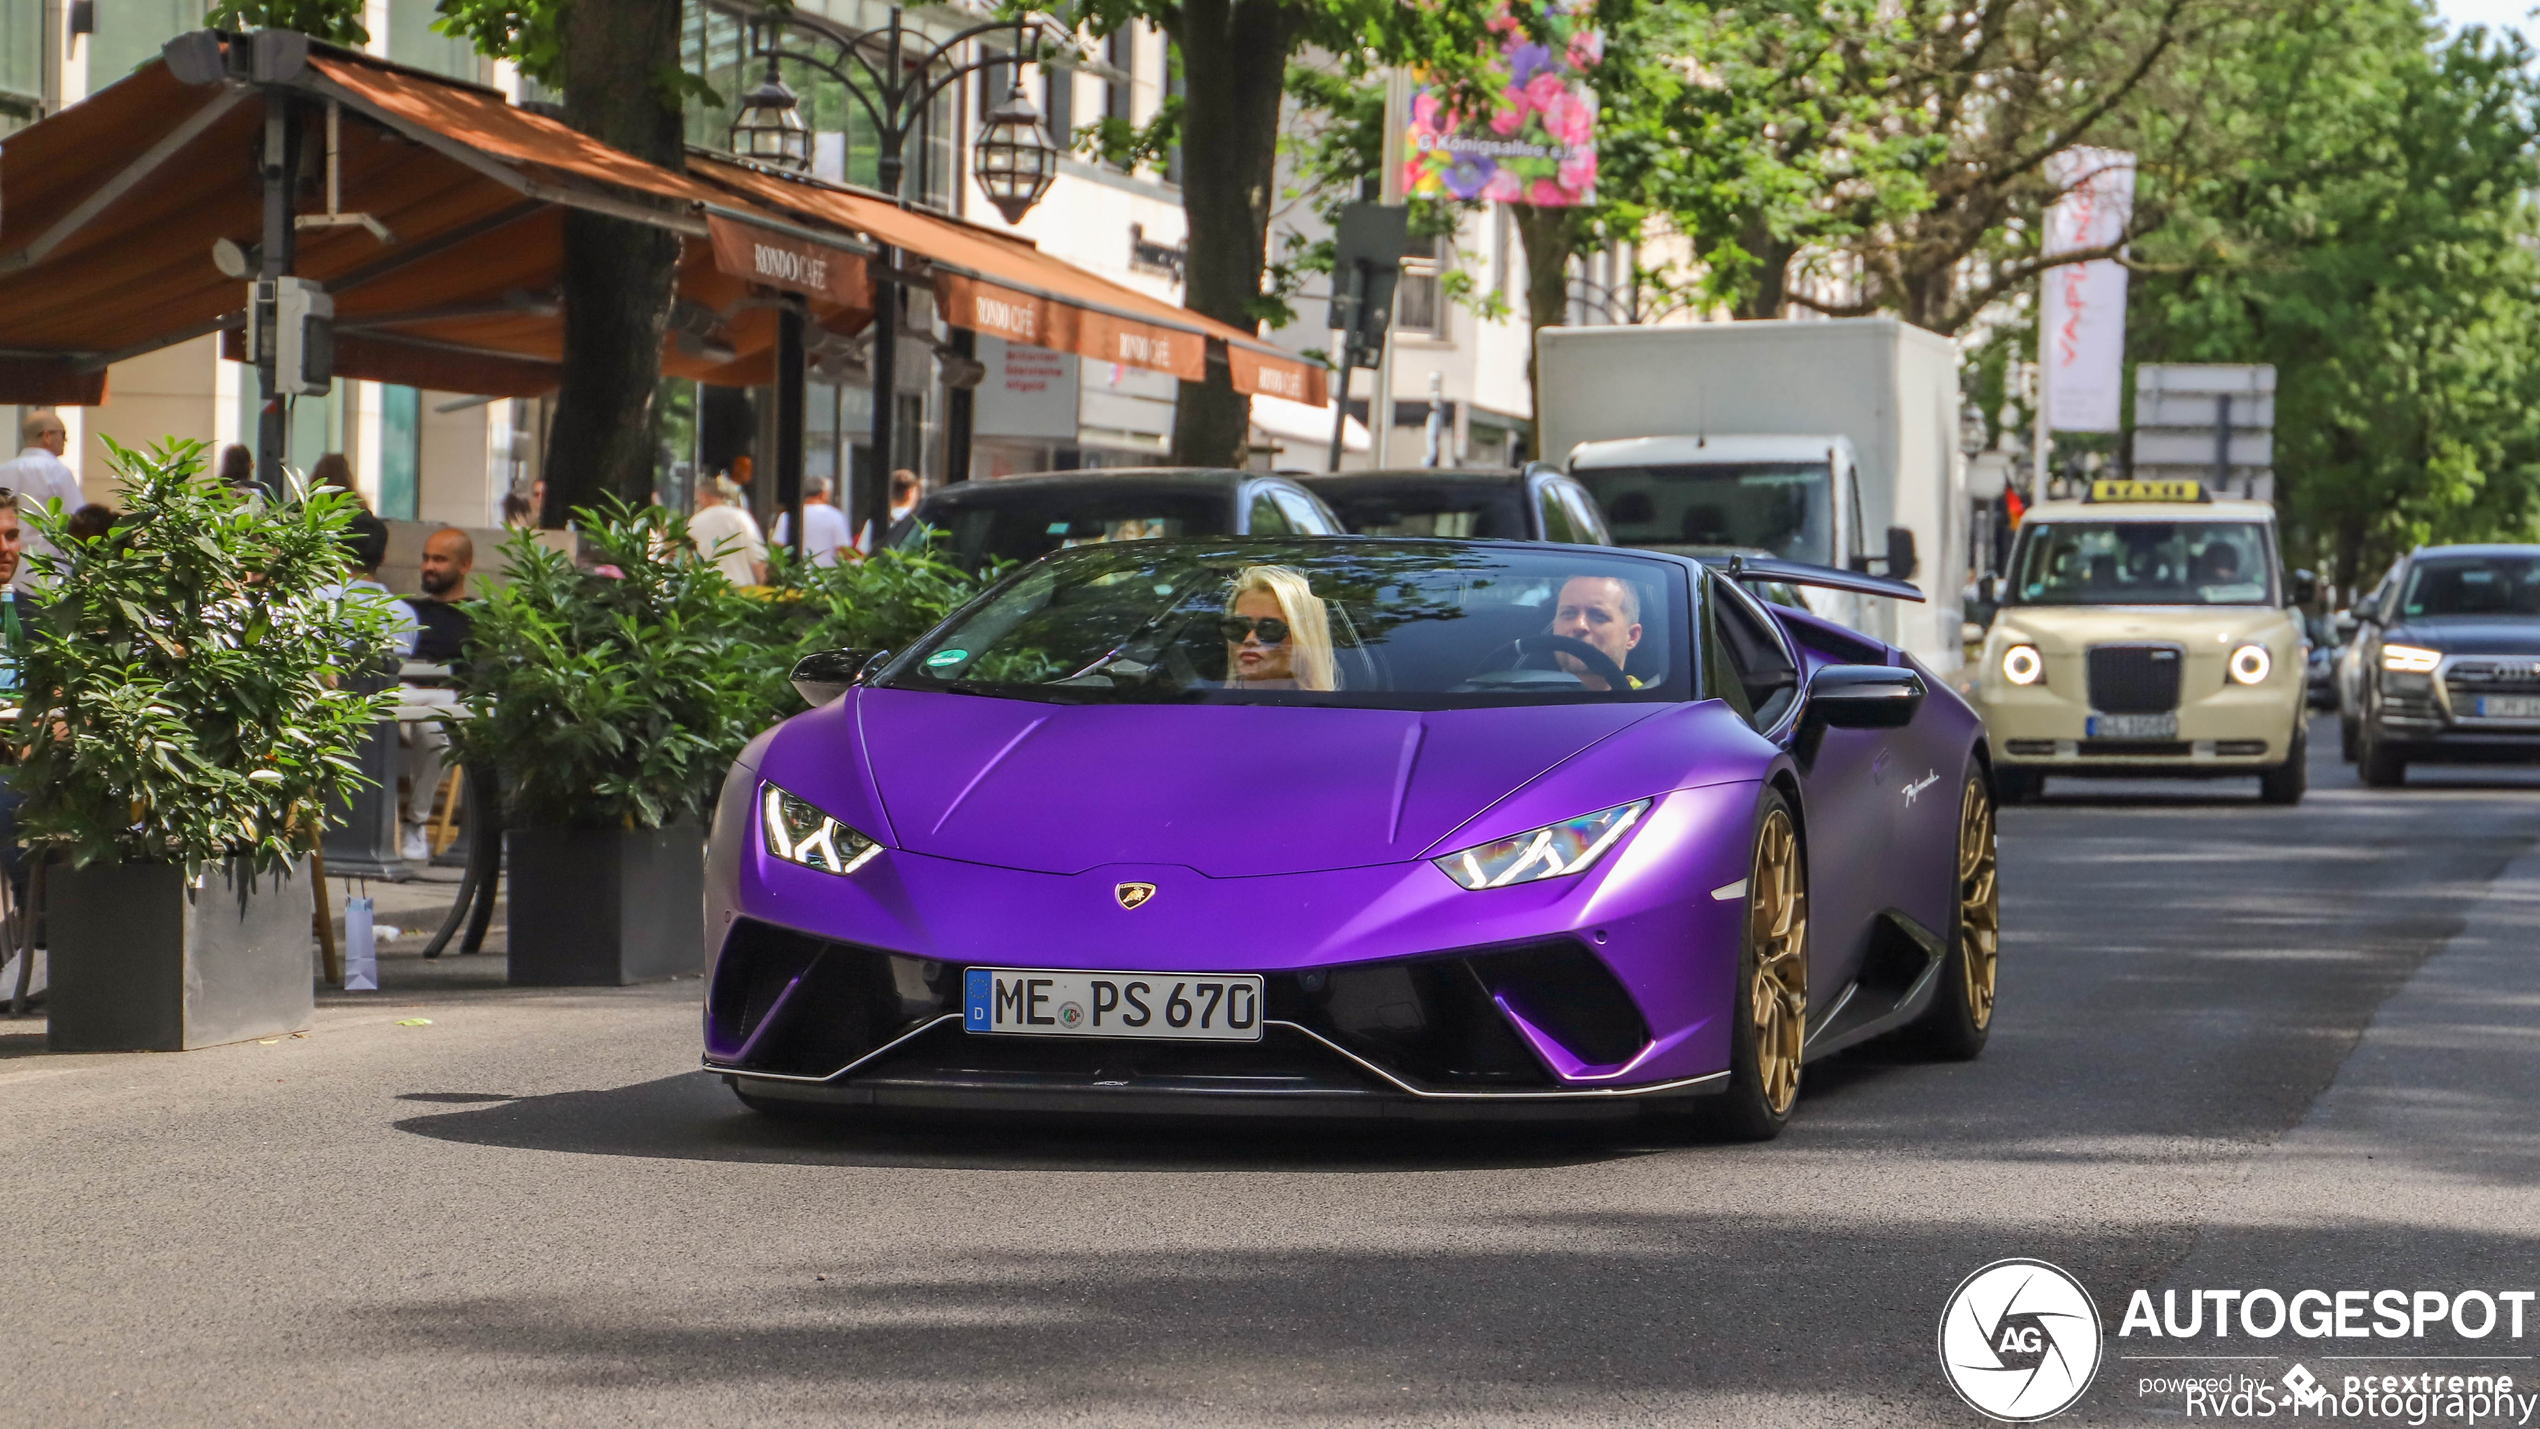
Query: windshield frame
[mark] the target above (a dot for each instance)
(1675, 577)
(2272, 598)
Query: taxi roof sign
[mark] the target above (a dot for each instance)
(2114, 491)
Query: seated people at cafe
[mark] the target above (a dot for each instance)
(1603, 611)
(1278, 633)
(443, 624)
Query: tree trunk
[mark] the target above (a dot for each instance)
(1771, 293)
(618, 275)
(1549, 236)
(1234, 62)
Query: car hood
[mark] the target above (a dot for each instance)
(2470, 634)
(1230, 791)
(2071, 629)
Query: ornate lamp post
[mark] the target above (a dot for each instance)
(1015, 162)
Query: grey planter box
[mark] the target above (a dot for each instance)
(143, 961)
(606, 907)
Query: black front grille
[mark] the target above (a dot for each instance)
(2139, 748)
(2135, 679)
(2502, 675)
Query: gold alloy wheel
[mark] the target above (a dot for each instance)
(1777, 913)
(1979, 903)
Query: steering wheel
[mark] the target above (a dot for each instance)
(1598, 663)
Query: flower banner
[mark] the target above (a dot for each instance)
(1537, 145)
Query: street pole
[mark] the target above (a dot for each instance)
(1345, 352)
(789, 423)
(281, 166)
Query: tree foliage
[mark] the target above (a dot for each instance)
(182, 688)
(2371, 234)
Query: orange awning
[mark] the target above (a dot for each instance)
(104, 261)
(993, 283)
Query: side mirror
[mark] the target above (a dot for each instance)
(2364, 609)
(1989, 590)
(1902, 563)
(823, 676)
(1864, 696)
(2306, 587)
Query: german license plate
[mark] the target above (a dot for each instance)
(2509, 706)
(1062, 1002)
(2134, 726)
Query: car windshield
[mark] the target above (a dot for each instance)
(1358, 623)
(1782, 508)
(1020, 525)
(1457, 511)
(2143, 563)
(2473, 585)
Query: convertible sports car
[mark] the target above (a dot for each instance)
(1359, 826)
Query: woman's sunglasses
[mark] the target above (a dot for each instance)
(1271, 628)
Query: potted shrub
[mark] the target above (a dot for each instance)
(610, 695)
(185, 725)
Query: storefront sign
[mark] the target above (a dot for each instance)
(1265, 376)
(1028, 392)
(992, 311)
(781, 260)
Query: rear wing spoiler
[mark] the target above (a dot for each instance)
(1765, 569)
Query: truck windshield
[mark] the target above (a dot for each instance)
(2143, 563)
(1782, 508)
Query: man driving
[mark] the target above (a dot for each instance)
(1603, 611)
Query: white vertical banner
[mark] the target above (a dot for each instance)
(2081, 337)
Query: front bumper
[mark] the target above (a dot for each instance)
(1485, 1032)
(2435, 717)
(2238, 729)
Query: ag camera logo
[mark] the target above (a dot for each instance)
(2019, 1340)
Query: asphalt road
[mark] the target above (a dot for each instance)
(2238, 1045)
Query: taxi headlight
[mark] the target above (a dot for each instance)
(1554, 851)
(2410, 659)
(2250, 664)
(2022, 665)
(800, 833)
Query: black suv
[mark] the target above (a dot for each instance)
(1022, 518)
(2449, 649)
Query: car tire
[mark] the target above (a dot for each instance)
(2016, 786)
(2380, 766)
(2285, 783)
(1960, 1018)
(2348, 742)
(1769, 1025)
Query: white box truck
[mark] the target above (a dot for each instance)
(1834, 442)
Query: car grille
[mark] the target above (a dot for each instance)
(2493, 675)
(2135, 679)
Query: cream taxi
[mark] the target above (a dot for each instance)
(2145, 629)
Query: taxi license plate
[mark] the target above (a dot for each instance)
(1065, 1002)
(2133, 726)
(2509, 706)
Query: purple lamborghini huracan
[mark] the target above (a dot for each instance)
(1370, 827)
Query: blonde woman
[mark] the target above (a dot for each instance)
(1278, 633)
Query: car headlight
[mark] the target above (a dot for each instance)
(2250, 664)
(2410, 659)
(799, 833)
(1555, 851)
(2022, 665)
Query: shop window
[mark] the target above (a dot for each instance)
(21, 62)
(413, 41)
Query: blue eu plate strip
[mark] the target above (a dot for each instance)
(978, 987)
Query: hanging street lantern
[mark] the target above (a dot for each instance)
(769, 127)
(1013, 158)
